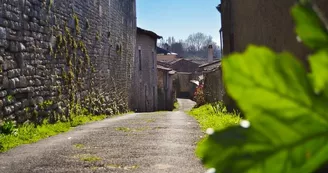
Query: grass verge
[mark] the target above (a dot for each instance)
(176, 106)
(208, 118)
(28, 133)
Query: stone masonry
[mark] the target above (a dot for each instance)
(145, 72)
(29, 71)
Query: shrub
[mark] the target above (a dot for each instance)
(219, 107)
(199, 96)
(8, 127)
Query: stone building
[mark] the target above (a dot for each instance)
(213, 84)
(180, 65)
(165, 87)
(186, 71)
(259, 22)
(145, 74)
(55, 52)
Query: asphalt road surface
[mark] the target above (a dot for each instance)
(137, 143)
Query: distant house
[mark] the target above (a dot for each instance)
(213, 83)
(165, 55)
(165, 88)
(145, 72)
(209, 66)
(180, 65)
(199, 61)
(186, 71)
(260, 22)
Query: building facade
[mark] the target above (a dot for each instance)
(267, 23)
(145, 72)
(165, 88)
(213, 83)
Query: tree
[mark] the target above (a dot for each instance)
(177, 48)
(196, 45)
(170, 41)
(161, 43)
(198, 41)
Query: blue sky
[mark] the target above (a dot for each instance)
(179, 18)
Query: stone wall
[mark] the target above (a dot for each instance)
(145, 79)
(213, 86)
(260, 22)
(165, 89)
(49, 46)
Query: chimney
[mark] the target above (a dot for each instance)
(210, 57)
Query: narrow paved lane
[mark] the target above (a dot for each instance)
(137, 143)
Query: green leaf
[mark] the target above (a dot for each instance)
(309, 27)
(278, 81)
(255, 150)
(289, 126)
(319, 66)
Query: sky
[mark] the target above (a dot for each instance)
(179, 18)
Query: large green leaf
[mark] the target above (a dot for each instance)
(261, 80)
(319, 66)
(309, 27)
(289, 126)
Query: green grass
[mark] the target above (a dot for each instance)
(79, 146)
(89, 158)
(208, 118)
(150, 120)
(27, 133)
(123, 129)
(176, 106)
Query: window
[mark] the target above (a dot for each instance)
(139, 56)
(166, 81)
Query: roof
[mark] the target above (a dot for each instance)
(201, 61)
(172, 72)
(163, 68)
(163, 64)
(172, 62)
(162, 51)
(167, 63)
(169, 70)
(184, 73)
(175, 61)
(149, 33)
(211, 63)
(211, 70)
